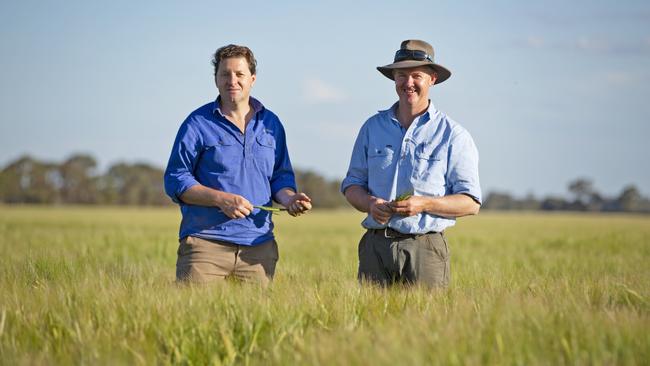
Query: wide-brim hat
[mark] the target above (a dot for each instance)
(414, 53)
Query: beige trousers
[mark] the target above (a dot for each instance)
(200, 261)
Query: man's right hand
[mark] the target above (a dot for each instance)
(234, 205)
(380, 210)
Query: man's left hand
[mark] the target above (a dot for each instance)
(411, 206)
(298, 204)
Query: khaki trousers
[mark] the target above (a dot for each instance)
(200, 261)
(387, 257)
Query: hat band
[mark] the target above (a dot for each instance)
(417, 55)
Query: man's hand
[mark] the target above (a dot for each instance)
(411, 206)
(298, 204)
(380, 210)
(234, 206)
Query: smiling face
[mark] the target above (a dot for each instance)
(234, 80)
(412, 86)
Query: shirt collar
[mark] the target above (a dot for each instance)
(391, 111)
(256, 104)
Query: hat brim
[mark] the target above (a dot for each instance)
(387, 71)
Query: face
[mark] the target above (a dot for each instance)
(234, 80)
(412, 85)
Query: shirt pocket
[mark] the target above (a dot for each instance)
(430, 168)
(380, 158)
(265, 153)
(222, 154)
(380, 162)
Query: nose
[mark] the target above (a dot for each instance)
(232, 79)
(407, 81)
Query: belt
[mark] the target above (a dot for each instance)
(394, 234)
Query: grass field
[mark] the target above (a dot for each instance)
(96, 286)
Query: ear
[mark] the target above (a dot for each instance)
(434, 77)
(253, 78)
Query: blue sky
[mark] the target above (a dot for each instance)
(549, 90)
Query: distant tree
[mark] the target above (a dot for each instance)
(27, 180)
(133, 184)
(498, 201)
(596, 202)
(150, 187)
(15, 179)
(582, 190)
(645, 205)
(324, 193)
(630, 199)
(553, 204)
(504, 201)
(530, 203)
(78, 179)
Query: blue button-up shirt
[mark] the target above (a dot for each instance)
(434, 157)
(212, 151)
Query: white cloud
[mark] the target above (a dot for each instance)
(316, 90)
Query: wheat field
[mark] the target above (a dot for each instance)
(95, 285)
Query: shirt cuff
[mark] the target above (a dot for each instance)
(473, 192)
(277, 185)
(350, 181)
(181, 188)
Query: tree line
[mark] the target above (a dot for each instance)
(582, 197)
(77, 181)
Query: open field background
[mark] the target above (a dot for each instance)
(95, 286)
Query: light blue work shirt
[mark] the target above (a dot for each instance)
(434, 157)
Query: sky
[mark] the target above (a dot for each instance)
(550, 91)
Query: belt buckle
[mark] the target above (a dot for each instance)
(388, 236)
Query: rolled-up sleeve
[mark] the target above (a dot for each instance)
(357, 174)
(283, 176)
(179, 176)
(462, 173)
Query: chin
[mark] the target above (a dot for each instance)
(412, 101)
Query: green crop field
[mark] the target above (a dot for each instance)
(96, 286)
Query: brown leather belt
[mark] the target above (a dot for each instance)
(394, 234)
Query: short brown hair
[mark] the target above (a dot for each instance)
(233, 50)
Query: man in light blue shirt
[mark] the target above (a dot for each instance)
(413, 170)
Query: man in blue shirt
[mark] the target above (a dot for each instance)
(228, 162)
(413, 170)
